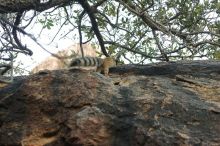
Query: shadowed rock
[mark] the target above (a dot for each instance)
(165, 104)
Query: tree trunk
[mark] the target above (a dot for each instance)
(9, 6)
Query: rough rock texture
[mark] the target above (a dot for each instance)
(165, 104)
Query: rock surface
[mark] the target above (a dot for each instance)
(165, 104)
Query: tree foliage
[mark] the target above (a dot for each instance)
(136, 30)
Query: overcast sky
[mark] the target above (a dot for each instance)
(45, 40)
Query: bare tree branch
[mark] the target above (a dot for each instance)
(145, 17)
(90, 11)
(131, 50)
(6, 68)
(80, 33)
(14, 32)
(29, 35)
(159, 46)
(38, 5)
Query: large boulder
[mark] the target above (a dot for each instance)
(164, 104)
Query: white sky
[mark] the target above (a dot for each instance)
(29, 62)
(45, 38)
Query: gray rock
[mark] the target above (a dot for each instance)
(164, 104)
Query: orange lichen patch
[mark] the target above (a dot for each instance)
(2, 85)
(206, 88)
(212, 94)
(37, 141)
